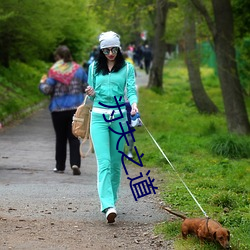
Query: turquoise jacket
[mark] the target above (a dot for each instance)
(113, 84)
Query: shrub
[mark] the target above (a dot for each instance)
(231, 146)
(223, 200)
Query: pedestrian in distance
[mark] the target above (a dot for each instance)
(109, 78)
(65, 83)
(92, 57)
(138, 54)
(147, 54)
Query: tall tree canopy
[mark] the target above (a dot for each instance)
(126, 17)
(27, 32)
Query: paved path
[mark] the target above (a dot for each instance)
(141, 78)
(29, 189)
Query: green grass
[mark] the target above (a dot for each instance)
(214, 164)
(19, 88)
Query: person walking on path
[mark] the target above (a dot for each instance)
(65, 84)
(147, 54)
(108, 78)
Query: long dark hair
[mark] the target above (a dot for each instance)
(101, 63)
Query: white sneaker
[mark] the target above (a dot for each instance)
(58, 171)
(130, 155)
(111, 214)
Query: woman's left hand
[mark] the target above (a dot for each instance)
(134, 109)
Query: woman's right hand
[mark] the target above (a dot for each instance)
(134, 109)
(90, 91)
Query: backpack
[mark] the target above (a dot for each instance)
(81, 125)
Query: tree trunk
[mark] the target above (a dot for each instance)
(235, 109)
(201, 99)
(159, 47)
(223, 38)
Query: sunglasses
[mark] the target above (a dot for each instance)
(106, 51)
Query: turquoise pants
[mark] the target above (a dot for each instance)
(107, 156)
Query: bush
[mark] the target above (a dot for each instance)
(231, 146)
(19, 88)
(223, 200)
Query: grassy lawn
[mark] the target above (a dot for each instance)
(214, 164)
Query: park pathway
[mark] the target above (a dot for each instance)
(43, 210)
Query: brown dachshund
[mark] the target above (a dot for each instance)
(204, 229)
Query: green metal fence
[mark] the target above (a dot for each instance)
(208, 58)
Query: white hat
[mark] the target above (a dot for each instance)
(109, 39)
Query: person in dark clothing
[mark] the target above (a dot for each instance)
(147, 54)
(93, 55)
(65, 83)
(138, 55)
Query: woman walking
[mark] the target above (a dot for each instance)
(109, 78)
(65, 84)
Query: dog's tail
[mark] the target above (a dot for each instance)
(175, 213)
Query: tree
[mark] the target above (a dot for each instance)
(241, 17)
(223, 38)
(242, 33)
(159, 46)
(28, 33)
(128, 18)
(201, 99)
